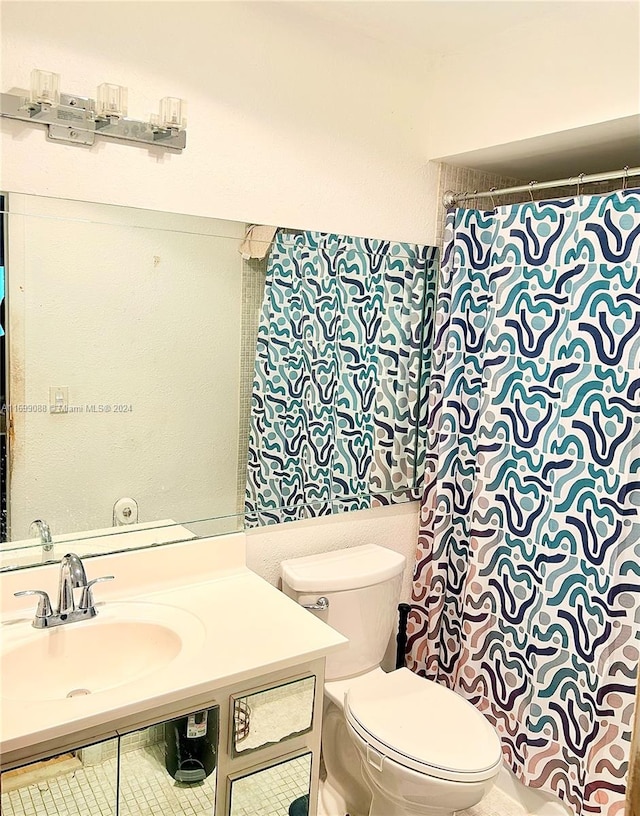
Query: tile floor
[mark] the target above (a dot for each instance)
(87, 792)
(146, 789)
(495, 803)
(270, 792)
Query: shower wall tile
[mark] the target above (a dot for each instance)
(460, 179)
(97, 754)
(254, 271)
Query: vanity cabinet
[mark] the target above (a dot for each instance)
(282, 787)
(252, 750)
(76, 782)
(170, 767)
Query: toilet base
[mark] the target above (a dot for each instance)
(344, 790)
(331, 803)
(383, 806)
(400, 791)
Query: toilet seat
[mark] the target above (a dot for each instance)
(423, 726)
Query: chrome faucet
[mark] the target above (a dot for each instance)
(41, 528)
(72, 576)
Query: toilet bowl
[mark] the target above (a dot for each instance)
(393, 744)
(423, 749)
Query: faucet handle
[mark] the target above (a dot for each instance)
(86, 600)
(44, 609)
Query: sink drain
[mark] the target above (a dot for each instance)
(78, 692)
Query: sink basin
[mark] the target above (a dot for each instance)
(121, 645)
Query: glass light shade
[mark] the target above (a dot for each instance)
(111, 100)
(45, 87)
(173, 112)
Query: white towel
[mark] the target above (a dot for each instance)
(257, 241)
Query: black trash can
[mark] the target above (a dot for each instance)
(191, 745)
(300, 807)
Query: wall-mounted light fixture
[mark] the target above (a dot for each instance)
(79, 119)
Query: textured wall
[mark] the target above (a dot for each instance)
(517, 81)
(288, 123)
(395, 527)
(272, 139)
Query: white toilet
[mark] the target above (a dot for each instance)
(393, 744)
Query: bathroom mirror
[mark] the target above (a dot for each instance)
(140, 318)
(85, 779)
(130, 353)
(273, 715)
(273, 789)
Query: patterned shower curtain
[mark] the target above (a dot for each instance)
(339, 392)
(526, 595)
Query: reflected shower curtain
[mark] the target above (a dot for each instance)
(526, 595)
(339, 392)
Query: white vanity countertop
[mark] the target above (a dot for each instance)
(236, 625)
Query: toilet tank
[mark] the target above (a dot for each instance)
(362, 585)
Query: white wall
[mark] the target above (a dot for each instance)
(287, 124)
(320, 115)
(395, 527)
(562, 65)
(300, 121)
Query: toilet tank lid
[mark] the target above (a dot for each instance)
(352, 568)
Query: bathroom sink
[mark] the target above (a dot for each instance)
(122, 644)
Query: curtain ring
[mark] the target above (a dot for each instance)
(625, 178)
(580, 177)
(493, 203)
(531, 185)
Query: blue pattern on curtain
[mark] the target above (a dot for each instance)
(339, 393)
(526, 596)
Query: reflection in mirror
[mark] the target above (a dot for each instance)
(131, 342)
(3, 383)
(274, 789)
(338, 411)
(171, 767)
(274, 715)
(169, 377)
(76, 782)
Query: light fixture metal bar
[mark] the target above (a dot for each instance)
(74, 121)
(64, 133)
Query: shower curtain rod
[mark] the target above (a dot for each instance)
(451, 199)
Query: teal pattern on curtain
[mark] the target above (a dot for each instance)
(526, 596)
(340, 386)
